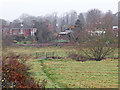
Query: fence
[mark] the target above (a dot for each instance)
(46, 54)
(51, 54)
(47, 44)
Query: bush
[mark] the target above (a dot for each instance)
(78, 57)
(18, 38)
(24, 42)
(14, 41)
(99, 46)
(29, 38)
(15, 74)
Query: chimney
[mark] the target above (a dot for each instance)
(61, 29)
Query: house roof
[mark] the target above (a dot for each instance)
(68, 31)
(24, 28)
(62, 33)
(65, 32)
(97, 31)
(72, 26)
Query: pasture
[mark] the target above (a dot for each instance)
(68, 73)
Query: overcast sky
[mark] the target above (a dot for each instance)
(12, 9)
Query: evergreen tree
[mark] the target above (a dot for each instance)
(82, 19)
(78, 25)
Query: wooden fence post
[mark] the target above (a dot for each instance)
(36, 55)
(53, 54)
(46, 54)
(40, 54)
(43, 53)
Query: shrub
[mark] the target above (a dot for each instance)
(99, 46)
(15, 74)
(19, 38)
(14, 41)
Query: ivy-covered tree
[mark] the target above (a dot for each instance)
(43, 34)
(82, 19)
(78, 25)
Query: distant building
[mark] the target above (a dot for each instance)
(63, 34)
(72, 27)
(115, 27)
(97, 32)
(115, 30)
(67, 31)
(21, 31)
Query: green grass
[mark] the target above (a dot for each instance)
(64, 73)
(61, 40)
(89, 74)
(74, 74)
(22, 42)
(58, 51)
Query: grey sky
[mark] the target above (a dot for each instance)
(12, 9)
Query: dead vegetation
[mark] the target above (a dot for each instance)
(15, 73)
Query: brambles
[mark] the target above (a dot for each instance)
(15, 74)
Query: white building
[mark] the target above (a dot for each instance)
(115, 27)
(97, 32)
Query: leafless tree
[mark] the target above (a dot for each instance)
(99, 46)
(107, 20)
(93, 17)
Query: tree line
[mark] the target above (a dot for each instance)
(91, 20)
(88, 19)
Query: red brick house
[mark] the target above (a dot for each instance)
(21, 31)
(25, 31)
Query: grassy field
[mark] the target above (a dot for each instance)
(22, 42)
(67, 73)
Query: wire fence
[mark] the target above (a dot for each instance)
(51, 54)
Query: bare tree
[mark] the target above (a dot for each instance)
(99, 46)
(93, 17)
(53, 19)
(115, 21)
(27, 20)
(73, 17)
(107, 20)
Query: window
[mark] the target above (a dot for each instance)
(10, 31)
(21, 31)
